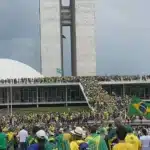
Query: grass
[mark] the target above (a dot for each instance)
(50, 109)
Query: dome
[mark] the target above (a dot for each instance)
(14, 69)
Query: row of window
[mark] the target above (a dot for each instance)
(49, 94)
(142, 91)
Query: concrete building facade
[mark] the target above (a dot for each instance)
(80, 16)
(50, 37)
(85, 37)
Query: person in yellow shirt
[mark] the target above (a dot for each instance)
(133, 139)
(10, 138)
(76, 142)
(122, 145)
(67, 136)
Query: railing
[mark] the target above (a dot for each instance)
(38, 84)
(87, 101)
(42, 103)
(124, 82)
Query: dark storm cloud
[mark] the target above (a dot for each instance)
(19, 31)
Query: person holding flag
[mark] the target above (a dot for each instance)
(95, 141)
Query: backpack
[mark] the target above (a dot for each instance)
(83, 146)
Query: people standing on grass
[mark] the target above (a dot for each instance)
(42, 142)
(145, 139)
(122, 145)
(132, 138)
(22, 136)
(3, 140)
(70, 135)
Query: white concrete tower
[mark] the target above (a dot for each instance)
(85, 37)
(50, 37)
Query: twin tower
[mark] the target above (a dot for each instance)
(80, 17)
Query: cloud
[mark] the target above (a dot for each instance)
(19, 31)
(122, 34)
(123, 37)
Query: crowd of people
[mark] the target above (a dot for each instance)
(97, 98)
(76, 79)
(60, 132)
(72, 130)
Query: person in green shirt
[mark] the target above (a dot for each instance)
(95, 141)
(31, 138)
(3, 140)
(111, 138)
(62, 143)
(52, 140)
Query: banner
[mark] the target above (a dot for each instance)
(138, 107)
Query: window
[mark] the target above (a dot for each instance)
(40, 92)
(117, 89)
(49, 92)
(107, 88)
(25, 95)
(62, 95)
(58, 92)
(65, 2)
(73, 95)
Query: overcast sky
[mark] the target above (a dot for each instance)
(123, 37)
(122, 34)
(19, 31)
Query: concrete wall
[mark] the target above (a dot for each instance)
(85, 37)
(50, 37)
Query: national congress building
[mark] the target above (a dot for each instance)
(80, 16)
(18, 49)
(35, 35)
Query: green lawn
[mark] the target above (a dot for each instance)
(50, 109)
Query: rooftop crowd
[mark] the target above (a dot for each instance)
(76, 79)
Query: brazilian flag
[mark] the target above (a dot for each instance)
(59, 71)
(138, 107)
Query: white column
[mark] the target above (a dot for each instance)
(85, 33)
(37, 98)
(50, 37)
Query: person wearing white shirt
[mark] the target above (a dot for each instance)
(145, 140)
(22, 136)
